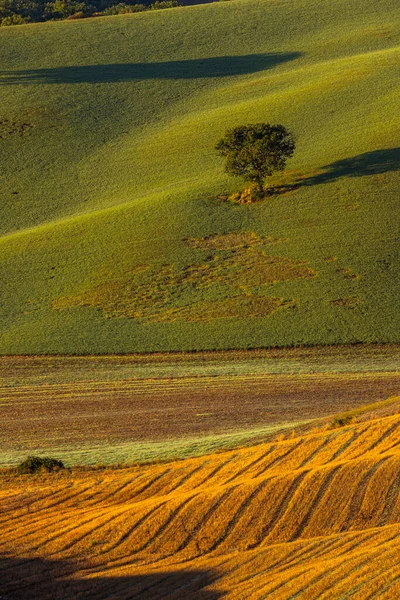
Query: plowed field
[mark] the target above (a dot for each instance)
(315, 516)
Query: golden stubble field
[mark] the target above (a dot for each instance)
(311, 516)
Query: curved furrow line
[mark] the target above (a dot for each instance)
(217, 470)
(278, 459)
(356, 539)
(164, 526)
(359, 495)
(387, 588)
(321, 492)
(132, 528)
(384, 436)
(360, 568)
(395, 445)
(205, 518)
(299, 575)
(66, 503)
(304, 556)
(280, 565)
(362, 441)
(390, 500)
(22, 505)
(370, 581)
(87, 499)
(363, 552)
(235, 519)
(300, 554)
(347, 444)
(39, 510)
(388, 539)
(54, 520)
(152, 481)
(313, 454)
(328, 546)
(198, 527)
(251, 589)
(116, 491)
(280, 511)
(184, 479)
(250, 465)
(75, 527)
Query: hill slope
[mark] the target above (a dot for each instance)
(316, 516)
(114, 239)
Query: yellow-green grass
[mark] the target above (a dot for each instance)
(148, 452)
(107, 128)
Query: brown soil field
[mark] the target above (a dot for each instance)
(67, 415)
(315, 516)
(59, 403)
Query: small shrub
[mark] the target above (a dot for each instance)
(35, 464)
(341, 421)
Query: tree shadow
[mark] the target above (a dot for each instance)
(362, 165)
(219, 66)
(370, 163)
(39, 579)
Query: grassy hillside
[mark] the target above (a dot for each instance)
(113, 238)
(316, 516)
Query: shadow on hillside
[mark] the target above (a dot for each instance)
(370, 163)
(220, 66)
(34, 579)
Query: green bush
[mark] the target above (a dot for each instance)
(159, 4)
(13, 20)
(34, 464)
(122, 9)
(341, 421)
(18, 12)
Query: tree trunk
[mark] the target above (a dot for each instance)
(260, 185)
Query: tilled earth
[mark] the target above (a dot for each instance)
(75, 413)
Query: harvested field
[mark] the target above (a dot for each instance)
(316, 516)
(124, 409)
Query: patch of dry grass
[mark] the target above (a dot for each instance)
(349, 302)
(163, 294)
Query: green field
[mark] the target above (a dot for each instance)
(114, 238)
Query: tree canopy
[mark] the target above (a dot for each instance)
(256, 151)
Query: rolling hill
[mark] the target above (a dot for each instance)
(315, 516)
(116, 235)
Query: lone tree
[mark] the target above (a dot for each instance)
(256, 151)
